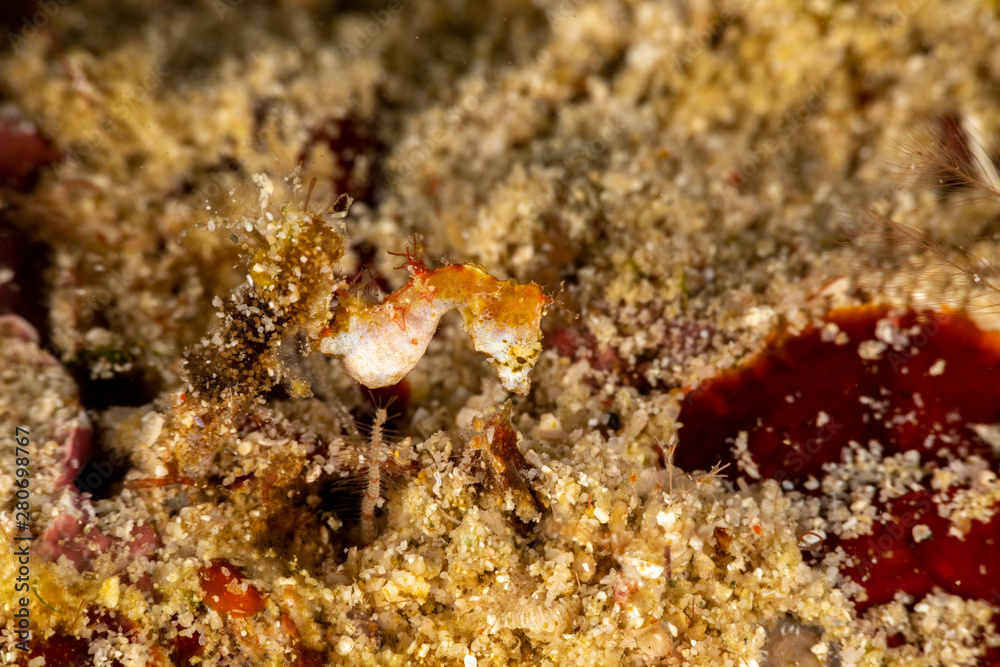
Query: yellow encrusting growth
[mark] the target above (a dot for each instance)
(381, 343)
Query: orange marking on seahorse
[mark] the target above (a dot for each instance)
(398, 318)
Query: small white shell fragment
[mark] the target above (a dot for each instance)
(759, 316)
(666, 519)
(345, 645)
(655, 642)
(870, 350)
(643, 568)
(548, 428)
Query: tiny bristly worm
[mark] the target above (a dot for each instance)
(373, 490)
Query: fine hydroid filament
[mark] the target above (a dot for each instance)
(946, 155)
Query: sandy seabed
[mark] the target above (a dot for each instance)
(684, 180)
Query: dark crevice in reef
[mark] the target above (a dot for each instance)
(103, 472)
(131, 388)
(25, 294)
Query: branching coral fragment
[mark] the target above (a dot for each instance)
(381, 343)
